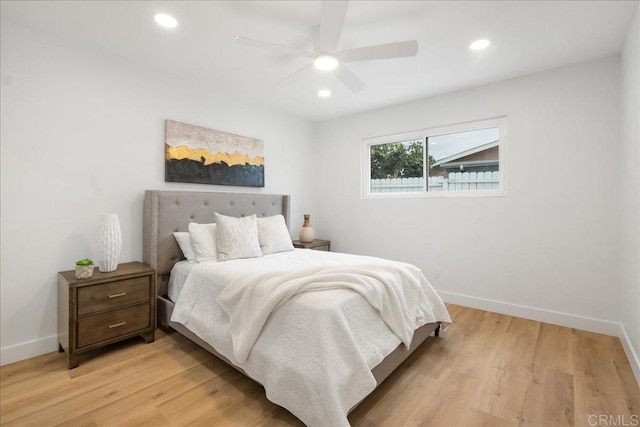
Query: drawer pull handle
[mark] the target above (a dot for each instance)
(115, 325)
(121, 294)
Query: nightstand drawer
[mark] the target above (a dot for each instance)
(316, 245)
(92, 299)
(112, 324)
(321, 248)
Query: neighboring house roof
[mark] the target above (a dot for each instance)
(451, 160)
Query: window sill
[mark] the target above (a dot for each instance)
(436, 194)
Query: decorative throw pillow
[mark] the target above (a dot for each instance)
(273, 235)
(203, 240)
(184, 241)
(237, 237)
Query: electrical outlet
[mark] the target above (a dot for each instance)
(436, 272)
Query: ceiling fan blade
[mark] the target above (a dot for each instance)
(331, 22)
(274, 47)
(350, 80)
(381, 51)
(293, 74)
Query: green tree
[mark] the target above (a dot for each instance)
(387, 160)
(398, 159)
(413, 166)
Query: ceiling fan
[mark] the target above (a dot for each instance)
(325, 56)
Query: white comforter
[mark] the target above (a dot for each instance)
(308, 325)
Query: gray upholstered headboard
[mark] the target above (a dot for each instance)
(168, 211)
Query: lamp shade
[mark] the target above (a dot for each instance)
(109, 243)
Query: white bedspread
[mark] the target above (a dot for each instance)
(179, 274)
(307, 337)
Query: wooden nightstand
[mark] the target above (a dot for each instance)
(317, 244)
(106, 308)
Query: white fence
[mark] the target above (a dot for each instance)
(456, 181)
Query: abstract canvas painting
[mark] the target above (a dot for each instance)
(206, 156)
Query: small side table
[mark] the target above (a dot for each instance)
(317, 245)
(106, 308)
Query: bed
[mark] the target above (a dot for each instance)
(166, 212)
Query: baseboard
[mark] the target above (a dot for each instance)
(632, 355)
(555, 317)
(28, 350)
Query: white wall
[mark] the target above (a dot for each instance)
(630, 182)
(82, 135)
(550, 248)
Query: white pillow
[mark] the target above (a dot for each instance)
(237, 237)
(273, 235)
(203, 240)
(184, 241)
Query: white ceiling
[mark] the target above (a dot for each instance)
(527, 37)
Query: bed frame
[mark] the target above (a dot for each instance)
(168, 211)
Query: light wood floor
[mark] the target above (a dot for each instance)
(485, 369)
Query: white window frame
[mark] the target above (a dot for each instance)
(499, 122)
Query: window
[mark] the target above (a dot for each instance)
(460, 160)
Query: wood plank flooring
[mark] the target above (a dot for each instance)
(484, 369)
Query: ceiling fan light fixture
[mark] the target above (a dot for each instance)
(166, 21)
(325, 55)
(324, 93)
(480, 44)
(325, 62)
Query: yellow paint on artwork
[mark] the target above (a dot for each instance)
(198, 154)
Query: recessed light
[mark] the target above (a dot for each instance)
(165, 20)
(479, 44)
(324, 93)
(325, 62)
